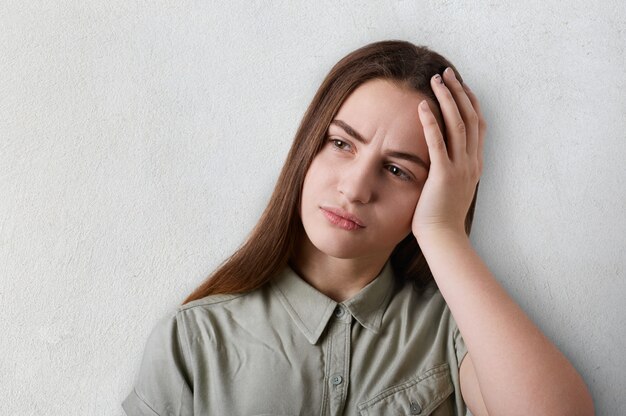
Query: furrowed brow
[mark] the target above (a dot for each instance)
(410, 157)
(349, 130)
(400, 155)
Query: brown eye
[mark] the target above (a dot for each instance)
(339, 144)
(396, 171)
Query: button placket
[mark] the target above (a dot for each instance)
(339, 359)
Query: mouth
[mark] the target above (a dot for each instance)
(342, 218)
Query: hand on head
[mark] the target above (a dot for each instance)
(456, 163)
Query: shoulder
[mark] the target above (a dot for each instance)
(172, 337)
(203, 317)
(228, 301)
(210, 301)
(171, 323)
(175, 324)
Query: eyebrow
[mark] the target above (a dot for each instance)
(393, 153)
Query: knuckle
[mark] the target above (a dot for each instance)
(431, 122)
(438, 143)
(446, 91)
(460, 126)
(458, 87)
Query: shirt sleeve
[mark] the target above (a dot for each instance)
(163, 385)
(459, 344)
(457, 351)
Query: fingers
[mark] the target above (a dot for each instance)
(464, 123)
(482, 125)
(455, 128)
(434, 139)
(459, 114)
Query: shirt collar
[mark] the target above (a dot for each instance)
(311, 310)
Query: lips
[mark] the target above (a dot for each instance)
(344, 214)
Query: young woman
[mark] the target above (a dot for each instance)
(359, 292)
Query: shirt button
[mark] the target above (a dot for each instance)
(339, 311)
(336, 380)
(415, 408)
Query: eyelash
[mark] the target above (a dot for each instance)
(403, 177)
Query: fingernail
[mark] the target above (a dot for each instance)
(424, 105)
(450, 72)
(438, 78)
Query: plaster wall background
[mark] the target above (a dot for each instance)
(140, 142)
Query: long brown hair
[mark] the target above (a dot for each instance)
(271, 243)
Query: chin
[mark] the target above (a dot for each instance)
(342, 253)
(339, 248)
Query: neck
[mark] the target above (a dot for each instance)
(338, 278)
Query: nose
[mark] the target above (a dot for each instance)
(357, 181)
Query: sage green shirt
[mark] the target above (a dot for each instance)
(287, 349)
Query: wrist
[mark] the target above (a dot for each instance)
(440, 237)
(426, 231)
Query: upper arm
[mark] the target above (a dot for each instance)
(470, 389)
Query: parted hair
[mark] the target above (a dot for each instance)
(271, 243)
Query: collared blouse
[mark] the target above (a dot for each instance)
(287, 349)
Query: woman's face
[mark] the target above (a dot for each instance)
(377, 178)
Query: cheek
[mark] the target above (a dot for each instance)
(317, 177)
(404, 206)
(310, 186)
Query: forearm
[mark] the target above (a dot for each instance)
(516, 365)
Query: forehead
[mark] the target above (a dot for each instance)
(381, 107)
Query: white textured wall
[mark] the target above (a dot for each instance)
(140, 141)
